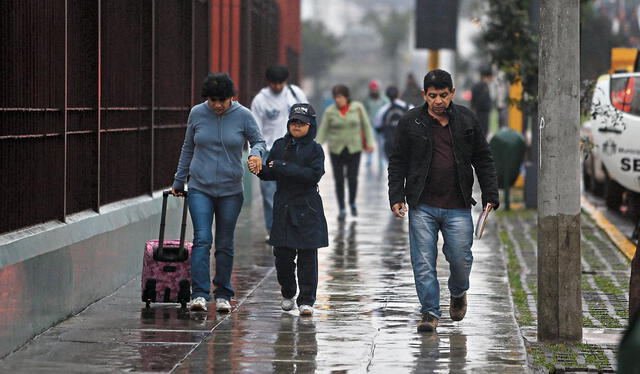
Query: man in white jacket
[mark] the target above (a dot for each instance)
(271, 107)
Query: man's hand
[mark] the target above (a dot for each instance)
(399, 209)
(255, 164)
(175, 192)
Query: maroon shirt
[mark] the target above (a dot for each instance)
(442, 189)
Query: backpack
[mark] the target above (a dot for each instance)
(390, 121)
(392, 116)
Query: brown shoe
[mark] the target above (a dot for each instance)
(429, 322)
(458, 307)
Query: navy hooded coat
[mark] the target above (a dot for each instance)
(298, 214)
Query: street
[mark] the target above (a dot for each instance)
(365, 319)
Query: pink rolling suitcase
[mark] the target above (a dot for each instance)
(166, 268)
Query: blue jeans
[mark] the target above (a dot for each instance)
(268, 189)
(456, 226)
(226, 210)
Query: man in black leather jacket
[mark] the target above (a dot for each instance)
(436, 149)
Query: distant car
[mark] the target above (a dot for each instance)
(613, 167)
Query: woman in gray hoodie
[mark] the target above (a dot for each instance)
(211, 156)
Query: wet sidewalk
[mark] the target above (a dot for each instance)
(365, 318)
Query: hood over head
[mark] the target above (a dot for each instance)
(304, 112)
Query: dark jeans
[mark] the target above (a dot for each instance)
(226, 210)
(352, 163)
(307, 273)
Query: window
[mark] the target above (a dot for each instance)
(623, 94)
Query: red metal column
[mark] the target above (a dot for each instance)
(234, 69)
(290, 33)
(226, 37)
(214, 35)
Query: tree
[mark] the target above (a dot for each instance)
(512, 46)
(393, 31)
(320, 49)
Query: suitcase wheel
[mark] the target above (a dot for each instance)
(149, 293)
(185, 293)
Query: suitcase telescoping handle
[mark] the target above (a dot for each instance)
(171, 254)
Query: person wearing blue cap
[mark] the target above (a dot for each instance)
(296, 163)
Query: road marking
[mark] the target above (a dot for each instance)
(619, 239)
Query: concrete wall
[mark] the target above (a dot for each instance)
(51, 271)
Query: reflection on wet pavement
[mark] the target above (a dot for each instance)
(365, 319)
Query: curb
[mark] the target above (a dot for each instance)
(619, 239)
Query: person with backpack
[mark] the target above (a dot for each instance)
(271, 107)
(372, 103)
(296, 164)
(386, 120)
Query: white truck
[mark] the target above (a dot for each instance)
(612, 168)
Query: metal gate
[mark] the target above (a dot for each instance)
(94, 101)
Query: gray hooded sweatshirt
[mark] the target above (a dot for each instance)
(212, 150)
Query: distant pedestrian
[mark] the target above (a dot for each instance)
(296, 163)
(412, 93)
(386, 121)
(502, 99)
(436, 149)
(217, 130)
(373, 103)
(481, 99)
(270, 107)
(345, 125)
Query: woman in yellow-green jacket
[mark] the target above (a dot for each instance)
(346, 127)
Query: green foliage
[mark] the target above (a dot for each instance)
(320, 48)
(393, 29)
(524, 316)
(512, 46)
(553, 356)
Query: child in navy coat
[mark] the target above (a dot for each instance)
(296, 163)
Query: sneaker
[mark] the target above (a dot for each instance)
(354, 210)
(429, 322)
(305, 310)
(198, 304)
(287, 304)
(342, 214)
(458, 307)
(222, 305)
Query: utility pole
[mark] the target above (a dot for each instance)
(434, 60)
(559, 272)
(531, 164)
